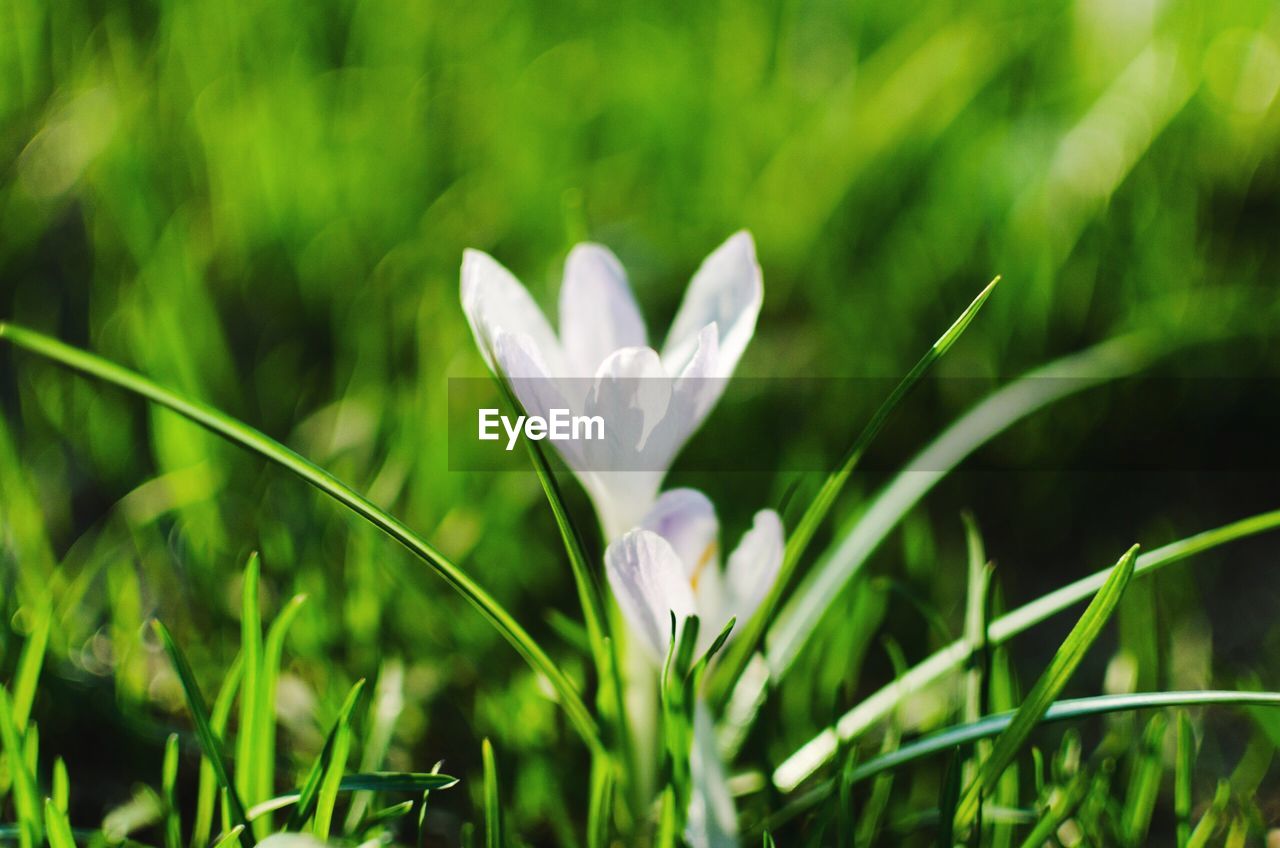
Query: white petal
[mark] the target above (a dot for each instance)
(693, 393)
(686, 519)
(727, 290)
(527, 374)
(753, 566)
(649, 584)
(494, 301)
(631, 393)
(598, 313)
(712, 821)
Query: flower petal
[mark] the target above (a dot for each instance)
(522, 365)
(649, 584)
(494, 301)
(727, 290)
(631, 392)
(687, 520)
(598, 313)
(753, 566)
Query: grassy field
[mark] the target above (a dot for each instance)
(262, 208)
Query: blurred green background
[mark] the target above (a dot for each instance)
(264, 205)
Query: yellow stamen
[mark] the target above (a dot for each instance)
(708, 554)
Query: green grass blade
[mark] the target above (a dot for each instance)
(992, 416)
(799, 538)
(1208, 824)
(1046, 689)
(383, 781)
(207, 786)
(1069, 709)
(228, 837)
(265, 716)
(268, 448)
(600, 808)
(492, 806)
(388, 702)
(809, 757)
(61, 789)
(948, 797)
(248, 744)
(1062, 802)
(310, 791)
(26, 799)
(331, 783)
(1184, 768)
(30, 661)
(209, 741)
(397, 781)
(56, 827)
(1144, 783)
(169, 789)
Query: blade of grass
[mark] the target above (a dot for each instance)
(1144, 783)
(330, 784)
(1068, 709)
(265, 716)
(948, 797)
(492, 808)
(268, 448)
(26, 799)
(601, 804)
(209, 741)
(30, 661)
(807, 759)
(61, 789)
(1028, 394)
(1045, 691)
(1212, 817)
(366, 782)
(56, 827)
(308, 794)
(248, 744)
(228, 837)
(207, 786)
(388, 701)
(169, 789)
(1061, 803)
(798, 540)
(1184, 766)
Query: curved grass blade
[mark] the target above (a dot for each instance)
(1070, 709)
(807, 759)
(798, 541)
(1045, 691)
(308, 795)
(209, 741)
(381, 781)
(268, 448)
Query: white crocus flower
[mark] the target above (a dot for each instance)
(671, 564)
(601, 364)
